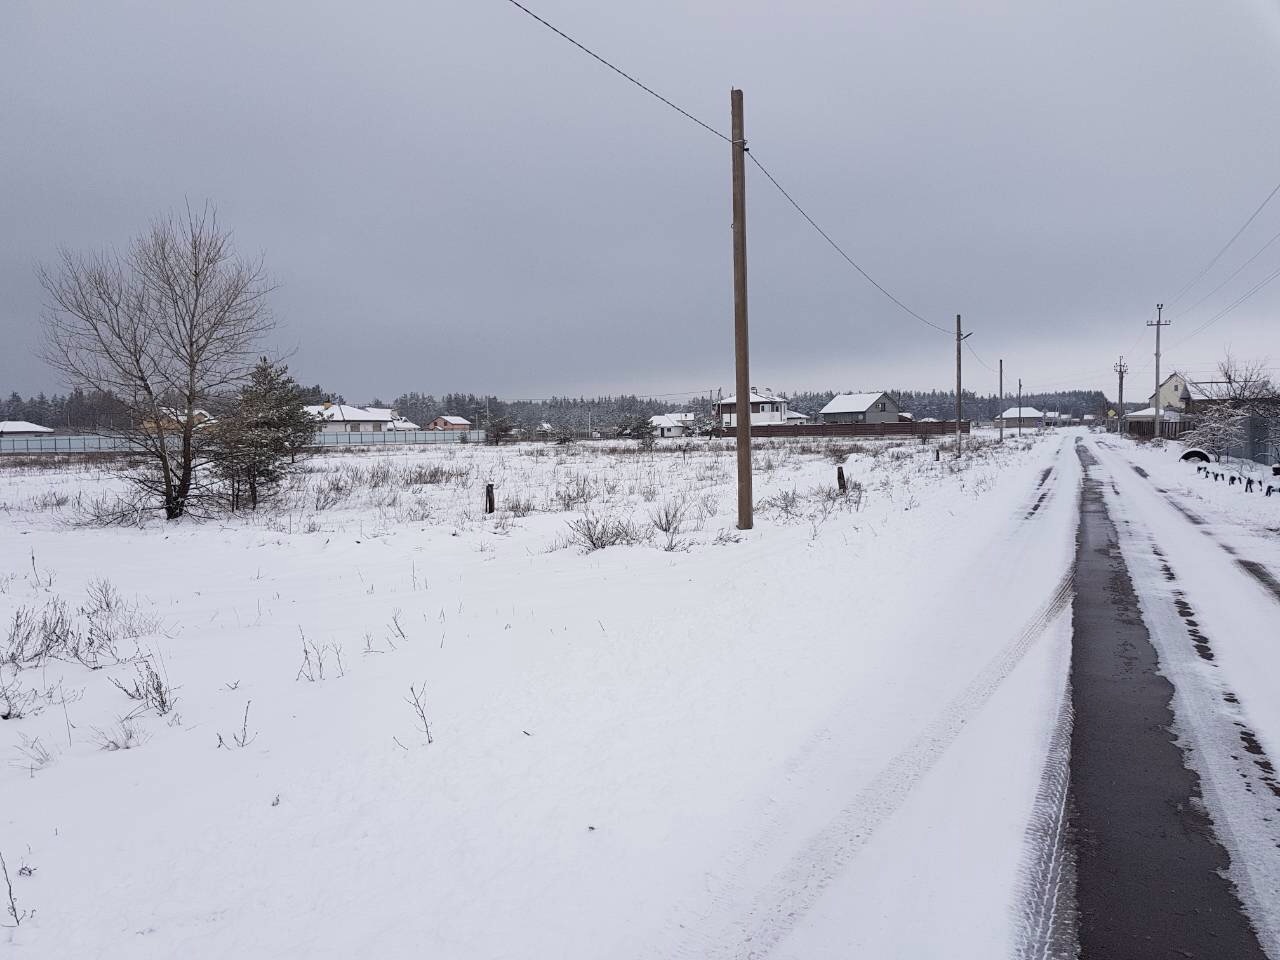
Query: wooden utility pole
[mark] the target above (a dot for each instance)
(1121, 368)
(960, 339)
(1157, 401)
(1019, 406)
(742, 402)
(1002, 399)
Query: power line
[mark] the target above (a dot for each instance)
(710, 129)
(1217, 256)
(1233, 275)
(1226, 310)
(978, 358)
(835, 246)
(620, 72)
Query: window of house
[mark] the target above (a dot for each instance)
(353, 427)
(880, 407)
(377, 427)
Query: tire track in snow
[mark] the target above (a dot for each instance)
(1046, 884)
(793, 891)
(1258, 571)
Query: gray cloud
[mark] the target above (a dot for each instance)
(453, 198)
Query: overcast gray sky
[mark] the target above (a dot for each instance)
(452, 198)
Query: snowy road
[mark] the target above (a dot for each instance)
(1204, 590)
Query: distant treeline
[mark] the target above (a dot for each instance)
(83, 411)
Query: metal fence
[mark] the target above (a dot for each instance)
(56, 444)
(110, 444)
(398, 438)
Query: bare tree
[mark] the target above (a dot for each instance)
(168, 328)
(1242, 385)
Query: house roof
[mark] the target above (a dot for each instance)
(456, 421)
(403, 423)
(1021, 413)
(175, 414)
(755, 398)
(1149, 413)
(22, 426)
(852, 403)
(342, 413)
(665, 420)
(796, 415)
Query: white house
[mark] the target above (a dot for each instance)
(1171, 395)
(22, 428)
(1025, 417)
(861, 408)
(341, 418)
(666, 425)
(765, 409)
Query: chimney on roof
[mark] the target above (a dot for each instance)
(328, 404)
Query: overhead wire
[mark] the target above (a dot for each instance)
(1235, 273)
(620, 72)
(710, 129)
(1226, 310)
(1218, 256)
(978, 357)
(838, 249)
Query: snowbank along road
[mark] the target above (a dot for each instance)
(1019, 705)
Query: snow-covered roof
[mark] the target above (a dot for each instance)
(664, 420)
(796, 415)
(21, 426)
(456, 421)
(852, 403)
(403, 423)
(930, 420)
(1149, 413)
(197, 412)
(755, 398)
(341, 412)
(1052, 415)
(683, 417)
(1021, 413)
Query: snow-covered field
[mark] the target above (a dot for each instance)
(825, 737)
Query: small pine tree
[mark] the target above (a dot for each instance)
(260, 440)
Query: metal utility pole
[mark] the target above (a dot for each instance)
(960, 338)
(1121, 368)
(742, 402)
(1019, 406)
(1156, 401)
(1002, 399)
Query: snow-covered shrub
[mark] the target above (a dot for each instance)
(124, 735)
(596, 532)
(149, 688)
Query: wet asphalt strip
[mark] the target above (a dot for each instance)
(1149, 871)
